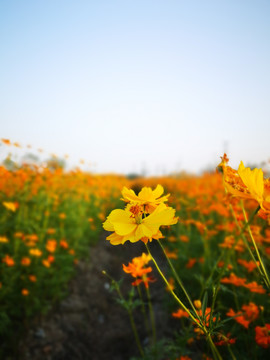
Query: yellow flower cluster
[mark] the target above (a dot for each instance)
(247, 184)
(144, 214)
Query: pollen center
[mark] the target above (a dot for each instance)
(135, 209)
(136, 212)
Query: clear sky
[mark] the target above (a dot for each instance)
(132, 85)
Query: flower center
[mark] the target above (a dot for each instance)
(136, 211)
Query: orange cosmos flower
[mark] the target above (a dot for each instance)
(184, 238)
(225, 340)
(249, 265)
(18, 234)
(25, 261)
(46, 263)
(234, 280)
(239, 247)
(206, 320)
(50, 259)
(144, 279)
(256, 288)
(248, 314)
(221, 264)
(180, 313)
(8, 260)
(171, 238)
(51, 245)
(32, 278)
(63, 244)
(228, 242)
(262, 336)
(6, 141)
(51, 231)
(25, 292)
(101, 216)
(137, 269)
(191, 263)
(31, 237)
(171, 254)
(200, 226)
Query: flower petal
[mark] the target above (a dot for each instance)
(129, 195)
(158, 191)
(253, 179)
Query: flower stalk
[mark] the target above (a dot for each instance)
(130, 314)
(197, 321)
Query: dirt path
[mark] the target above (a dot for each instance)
(89, 324)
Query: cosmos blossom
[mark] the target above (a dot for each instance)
(148, 197)
(246, 183)
(133, 224)
(262, 336)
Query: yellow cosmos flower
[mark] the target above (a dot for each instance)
(10, 205)
(266, 199)
(35, 252)
(3, 239)
(247, 183)
(253, 179)
(129, 224)
(147, 196)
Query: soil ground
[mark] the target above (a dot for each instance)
(89, 324)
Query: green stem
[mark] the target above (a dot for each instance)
(212, 273)
(133, 326)
(151, 313)
(245, 241)
(215, 292)
(214, 349)
(200, 323)
(178, 279)
(231, 353)
(169, 287)
(143, 309)
(135, 332)
(266, 278)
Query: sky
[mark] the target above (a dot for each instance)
(137, 86)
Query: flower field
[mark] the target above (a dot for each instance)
(213, 231)
(48, 220)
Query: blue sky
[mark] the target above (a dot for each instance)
(132, 85)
